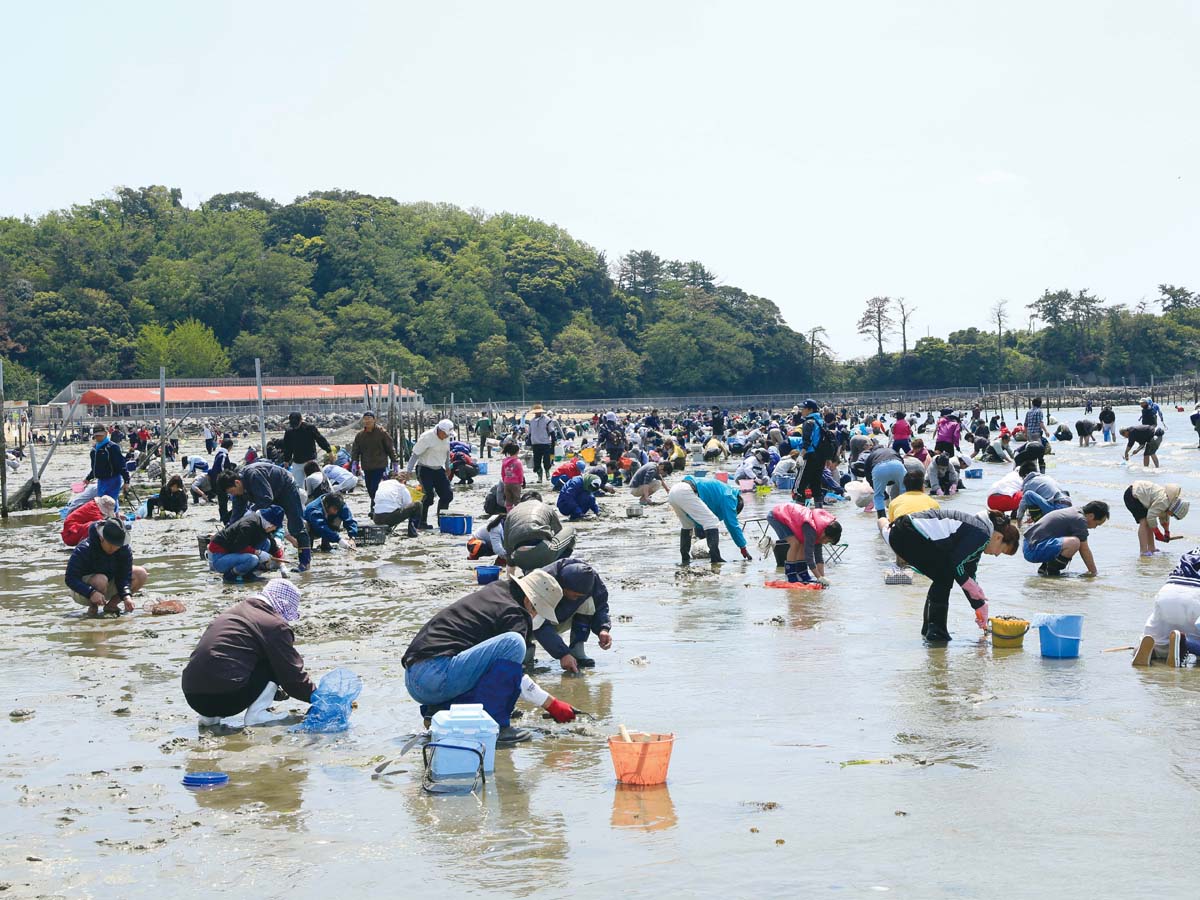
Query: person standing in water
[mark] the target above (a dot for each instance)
(1145, 501)
(944, 545)
(1108, 420)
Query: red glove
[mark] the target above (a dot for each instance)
(560, 712)
(745, 553)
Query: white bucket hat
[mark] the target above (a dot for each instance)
(543, 592)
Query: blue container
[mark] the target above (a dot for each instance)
(974, 473)
(482, 467)
(487, 574)
(785, 482)
(463, 730)
(1060, 636)
(700, 473)
(454, 523)
(205, 780)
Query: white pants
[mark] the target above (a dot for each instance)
(690, 508)
(1176, 608)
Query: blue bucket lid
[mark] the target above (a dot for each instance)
(205, 779)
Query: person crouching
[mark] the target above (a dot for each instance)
(245, 655)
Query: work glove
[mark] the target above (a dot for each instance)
(745, 553)
(974, 592)
(981, 616)
(822, 581)
(560, 712)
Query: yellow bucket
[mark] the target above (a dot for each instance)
(417, 494)
(762, 489)
(588, 454)
(1008, 632)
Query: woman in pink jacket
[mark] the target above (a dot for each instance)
(806, 531)
(949, 433)
(901, 434)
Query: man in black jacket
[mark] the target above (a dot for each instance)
(101, 570)
(263, 484)
(299, 445)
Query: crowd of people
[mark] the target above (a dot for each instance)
(551, 473)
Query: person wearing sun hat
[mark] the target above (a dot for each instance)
(472, 651)
(245, 655)
(431, 460)
(1147, 501)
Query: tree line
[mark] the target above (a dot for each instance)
(356, 286)
(1063, 334)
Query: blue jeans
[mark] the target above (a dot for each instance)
(441, 679)
(237, 563)
(1032, 499)
(888, 473)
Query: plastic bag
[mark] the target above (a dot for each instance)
(143, 511)
(330, 708)
(860, 492)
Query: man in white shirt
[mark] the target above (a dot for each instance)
(431, 460)
(394, 504)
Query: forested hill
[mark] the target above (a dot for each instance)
(351, 285)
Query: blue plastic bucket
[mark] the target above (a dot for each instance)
(482, 466)
(1060, 636)
(454, 523)
(974, 473)
(784, 482)
(487, 574)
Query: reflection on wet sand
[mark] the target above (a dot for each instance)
(645, 808)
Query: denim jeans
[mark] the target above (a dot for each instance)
(884, 475)
(1032, 499)
(441, 679)
(237, 563)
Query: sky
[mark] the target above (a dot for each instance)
(954, 154)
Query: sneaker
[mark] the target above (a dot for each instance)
(1175, 651)
(1145, 651)
(231, 578)
(510, 735)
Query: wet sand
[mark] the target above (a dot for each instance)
(980, 772)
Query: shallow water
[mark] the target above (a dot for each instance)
(989, 771)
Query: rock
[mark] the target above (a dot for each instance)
(18, 714)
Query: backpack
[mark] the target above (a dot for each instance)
(827, 444)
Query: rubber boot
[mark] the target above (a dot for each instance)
(714, 547)
(305, 560)
(412, 528)
(530, 654)
(1056, 566)
(257, 713)
(579, 651)
(685, 545)
(797, 572)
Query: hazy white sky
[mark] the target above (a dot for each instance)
(952, 153)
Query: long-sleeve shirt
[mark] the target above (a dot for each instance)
(430, 451)
(299, 444)
(960, 538)
(541, 430)
(245, 534)
(1045, 487)
(575, 500)
(391, 496)
(1156, 498)
(266, 485)
(88, 558)
(488, 612)
(373, 449)
(318, 521)
(721, 499)
(942, 479)
(234, 643)
(547, 635)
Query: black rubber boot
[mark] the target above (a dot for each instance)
(714, 547)
(685, 545)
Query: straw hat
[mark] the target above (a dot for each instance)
(543, 592)
(537, 408)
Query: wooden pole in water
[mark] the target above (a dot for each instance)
(400, 444)
(262, 417)
(392, 407)
(162, 432)
(3, 456)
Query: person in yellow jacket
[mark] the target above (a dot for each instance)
(914, 499)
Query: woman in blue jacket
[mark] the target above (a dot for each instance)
(703, 504)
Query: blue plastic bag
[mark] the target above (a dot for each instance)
(329, 710)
